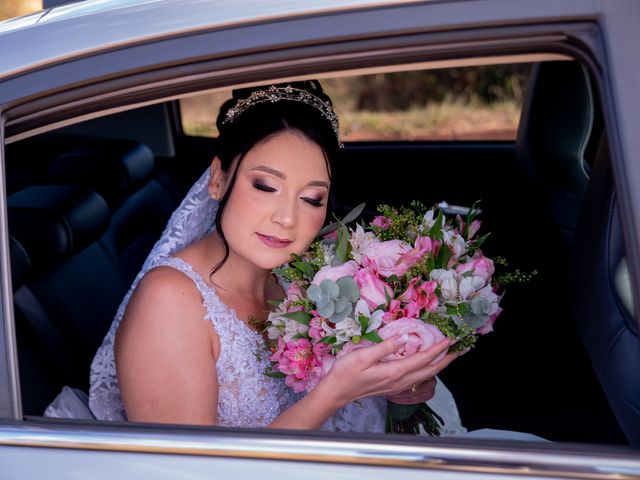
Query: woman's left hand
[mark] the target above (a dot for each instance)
(421, 393)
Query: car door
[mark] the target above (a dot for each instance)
(131, 56)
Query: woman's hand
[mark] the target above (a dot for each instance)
(362, 373)
(417, 393)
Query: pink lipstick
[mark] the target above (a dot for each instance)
(273, 242)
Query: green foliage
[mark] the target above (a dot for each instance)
(334, 300)
(403, 222)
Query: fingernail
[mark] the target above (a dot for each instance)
(453, 341)
(402, 339)
(462, 352)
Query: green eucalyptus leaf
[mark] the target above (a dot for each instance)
(314, 292)
(339, 316)
(330, 227)
(330, 288)
(326, 310)
(353, 214)
(348, 288)
(342, 248)
(342, 304)
(275, 374)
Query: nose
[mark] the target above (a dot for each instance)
(285, 213)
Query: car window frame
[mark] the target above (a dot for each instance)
(120, 91)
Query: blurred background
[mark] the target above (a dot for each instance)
(15, 8)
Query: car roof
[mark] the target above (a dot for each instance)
(85, 27)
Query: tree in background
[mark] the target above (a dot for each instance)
(484, 85)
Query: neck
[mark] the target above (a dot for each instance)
(236, 275)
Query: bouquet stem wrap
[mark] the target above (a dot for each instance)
(414, 419)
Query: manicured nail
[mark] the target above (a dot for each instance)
(402, 340)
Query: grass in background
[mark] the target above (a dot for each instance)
(446, 120)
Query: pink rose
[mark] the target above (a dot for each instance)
(352, 347)
(420, 336)
(347, 269)
(481, 266)
(386, 255)
(381, 222)
(372, 289)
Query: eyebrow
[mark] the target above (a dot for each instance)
(279, 174)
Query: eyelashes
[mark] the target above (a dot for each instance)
(263, 188)
(314, 202)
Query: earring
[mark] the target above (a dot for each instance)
(213, 196)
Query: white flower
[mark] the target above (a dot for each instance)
(469, 286)
(428, 220)
(346, 329)
(273, 333)
(375, 319)
(328, 252)
(293, 328)
(360, 241)
(448, 283)
(455, 242)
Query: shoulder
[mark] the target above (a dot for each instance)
(165, 297)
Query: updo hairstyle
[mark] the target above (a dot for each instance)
(262, 121)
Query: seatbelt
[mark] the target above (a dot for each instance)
(55, 344)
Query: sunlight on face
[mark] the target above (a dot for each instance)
(279, 200)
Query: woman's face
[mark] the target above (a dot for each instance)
(279, 200)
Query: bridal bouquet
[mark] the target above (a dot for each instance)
(411, 271)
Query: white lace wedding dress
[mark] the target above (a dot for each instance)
(247, 397)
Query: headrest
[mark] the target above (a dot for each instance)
(51, 222)
(555, 127)
(20, 263)
(111, 167)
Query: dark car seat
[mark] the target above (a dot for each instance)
(554, 137)
(74, 286)
(123, 172)
(602, 305)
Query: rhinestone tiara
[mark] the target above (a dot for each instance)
(275, 94)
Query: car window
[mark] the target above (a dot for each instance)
(465, 103)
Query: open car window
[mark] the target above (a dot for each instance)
(465, 103)
(526, 136)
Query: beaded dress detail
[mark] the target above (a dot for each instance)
(246, 396)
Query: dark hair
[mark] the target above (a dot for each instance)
(262, 121)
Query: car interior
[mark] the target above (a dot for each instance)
(87, 201)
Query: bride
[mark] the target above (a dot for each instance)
(185, 346)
